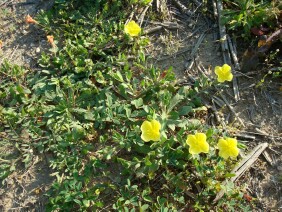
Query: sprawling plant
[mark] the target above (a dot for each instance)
(122, 134)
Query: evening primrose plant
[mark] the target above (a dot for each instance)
(121, 134)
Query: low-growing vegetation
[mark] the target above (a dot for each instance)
(120, 133)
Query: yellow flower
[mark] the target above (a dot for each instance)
(151, 130)
(197, 143)
(132, 28)
(223, 73)
(228, 148)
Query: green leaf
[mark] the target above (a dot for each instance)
(185, 110)
(144, 207)
(86, 203)
(89, 116)
(174, 101)
(137, 102)
(209, 133)
(77, 201)
(117, 75)
(229, 175)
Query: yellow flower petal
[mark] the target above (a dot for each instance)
(228, 148)
(226, 68)
(150, 131)
(197, 143)
(217, 70)
(156, 125)
(132, 28)
(223, 73)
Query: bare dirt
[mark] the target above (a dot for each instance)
(22, 44)
(191, 48)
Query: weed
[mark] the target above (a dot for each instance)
(245, 14)
(86, 108)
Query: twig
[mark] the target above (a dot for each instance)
(261, 134)
(189, 65)
(200, 69)
(232, 109)
(168, 25)
(248, 137)
(131, 15)
(140, 21)
(225, 49)
(214, 9)
(267, 158)
(190, 194)
(234, 45)
(240, 74)
(223, 36)
(3, 3)
(233, 53)
(152, 30)
(183, 8)
(243, 166)
(198, 4)
(218, 101)
(236, 89)
(199, 41)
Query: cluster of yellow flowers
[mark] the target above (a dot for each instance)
(197, 143)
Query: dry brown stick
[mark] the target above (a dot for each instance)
(168, 25)
(245, 136)
(214, 9)
(267, 158)
(225, 49)
(243, 166)
(262, 134)
(222, 33)
(152, 30)
(236, 88)
(200, 69)
(190, 194)
(198, 4)
(233, 53)
(131, 15)
(218, 101)
(199, 41)
(3, 3)
(237, 67)
(141, 18)
(183, 9)
(232, 109)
